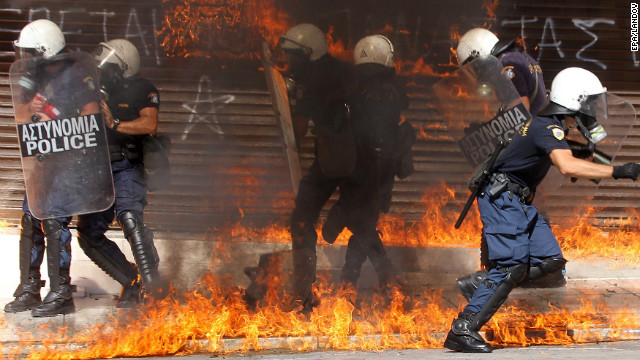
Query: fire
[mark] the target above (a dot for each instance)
(233, 28)
(455, 39)
(337, 48)
(418, 67)
(490, 6)
(207, 317)
(617, 238)
(201, 320)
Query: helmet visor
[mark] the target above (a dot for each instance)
(104, 56)
(24, 53)
(295, 48)
(595, 106)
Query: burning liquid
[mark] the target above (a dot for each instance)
(214, 318)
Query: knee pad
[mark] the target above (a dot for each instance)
(51, 227)
(517, 273)
(548, 266)
(27, 225)
(130, 222)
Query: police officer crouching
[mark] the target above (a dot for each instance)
(519, 239)
(130, 109)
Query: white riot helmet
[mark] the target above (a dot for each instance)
(374, 49)
(475, 43)
(306, 38)
(121, 53)
(572, 89)
(40, 38)
(578, 92)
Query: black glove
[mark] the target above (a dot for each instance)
(627, 171)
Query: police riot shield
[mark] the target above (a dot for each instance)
(615, 116)
(599, 139)
(480, 107)
(62, 135)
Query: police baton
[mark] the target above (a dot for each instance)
(482, 181)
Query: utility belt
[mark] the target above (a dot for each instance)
(501, 183)
(131, 152)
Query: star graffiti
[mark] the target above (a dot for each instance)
(205, 107)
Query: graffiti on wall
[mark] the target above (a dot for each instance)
(133, 31)
(549, 38)
(204, 108)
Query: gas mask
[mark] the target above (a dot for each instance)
(110, 76)
(592, 108)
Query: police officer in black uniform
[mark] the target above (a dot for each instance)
(321, 87)
(130, 106)
(48, 88)
(519, 239)
(383, 142)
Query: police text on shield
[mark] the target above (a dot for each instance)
(479, 144)
(59, 135)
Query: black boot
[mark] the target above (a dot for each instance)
(130, 296)
(28, 292)
(144, 251)
(27, 296)
(304, 275)
(468, 284)
(353, 260)
(59, 301)
(387, 275)
(462, 337)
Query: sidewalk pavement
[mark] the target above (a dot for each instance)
(593, 282)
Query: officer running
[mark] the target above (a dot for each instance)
(64, 85)
(130, 106)
(383, 142)
(321, 86)
(519, 239)
(526, 75)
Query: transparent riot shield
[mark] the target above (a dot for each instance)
(62, 137)
(480, 107)
(616, 121)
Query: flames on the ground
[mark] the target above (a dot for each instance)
(200, 319)
(213, 317)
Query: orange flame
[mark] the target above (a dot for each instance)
(490, 6)
(232, 28)
(199, 320)
(337, 48)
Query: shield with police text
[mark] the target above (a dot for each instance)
(480, 107)
(61, 133)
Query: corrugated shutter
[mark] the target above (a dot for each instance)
(228, 160)
(594, 35)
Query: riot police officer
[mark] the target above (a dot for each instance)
(320, 95)
(519, 239)
(383, 142)
(43, 91)
(526, 75)
(130, 106)
(523, 71)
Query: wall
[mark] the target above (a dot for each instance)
(228, 161)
